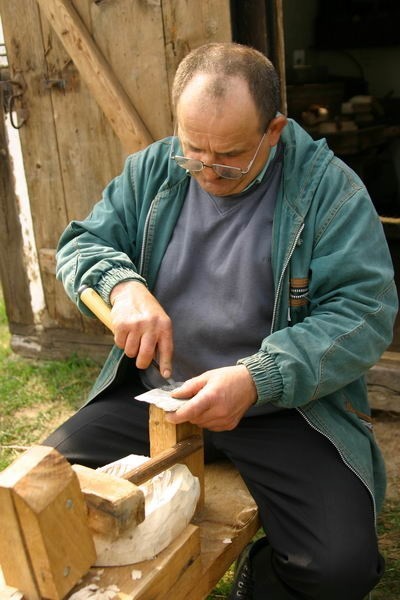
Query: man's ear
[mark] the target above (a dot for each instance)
(275, 129)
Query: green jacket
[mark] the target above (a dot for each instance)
(335, 298)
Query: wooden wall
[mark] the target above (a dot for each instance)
(97, 77)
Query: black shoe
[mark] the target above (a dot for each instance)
(243, 586)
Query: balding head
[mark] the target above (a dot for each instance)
(225, 62)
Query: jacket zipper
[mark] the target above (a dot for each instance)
(145, 240)
(274, 316)
(343, 459)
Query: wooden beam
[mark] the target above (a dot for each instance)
(280, 52)
(97, 73)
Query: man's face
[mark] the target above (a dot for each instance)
(221, 130)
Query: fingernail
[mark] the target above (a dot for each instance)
(166, 373)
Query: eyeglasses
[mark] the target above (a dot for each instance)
(195, 165)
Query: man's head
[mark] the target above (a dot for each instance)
(224, 60)
(226, 97)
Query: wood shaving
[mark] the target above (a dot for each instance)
(136, 574)
(94, 592)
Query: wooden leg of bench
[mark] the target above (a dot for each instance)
(163, 435)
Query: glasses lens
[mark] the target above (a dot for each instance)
(190, 164)
(227, 172)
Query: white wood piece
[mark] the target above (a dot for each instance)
(170, 503)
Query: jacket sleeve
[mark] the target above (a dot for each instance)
(101, 250)
(351, 310)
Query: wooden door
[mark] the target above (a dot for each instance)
(96, 76)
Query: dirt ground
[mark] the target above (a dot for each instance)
(387, 428)
(387, 431)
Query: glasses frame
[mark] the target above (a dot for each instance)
(237, 172)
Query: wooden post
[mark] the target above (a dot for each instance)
(163, 435)
(45, 542)
(97, 73)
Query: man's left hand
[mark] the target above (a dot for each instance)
(218, 398)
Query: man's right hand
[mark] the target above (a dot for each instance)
(141, 326)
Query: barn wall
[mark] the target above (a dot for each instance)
(70, 145)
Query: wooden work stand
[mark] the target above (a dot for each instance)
(49, 510)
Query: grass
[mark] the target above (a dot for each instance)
(35, 396)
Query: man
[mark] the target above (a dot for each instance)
(250, 262)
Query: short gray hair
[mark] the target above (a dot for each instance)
(231, 59)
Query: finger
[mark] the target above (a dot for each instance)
(131, 345)
(205, 420)
(192, 411)
(165, 349)
(189, 389)
(146, 351)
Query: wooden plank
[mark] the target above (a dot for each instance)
(13, 273)
(26, 56)
(52, 519)
(189, 24)
(138, 60)
(114, 503)
(16, 566)
(163, 435)
(89, 151)
(280, 52)
(156, 576)
(97, 73)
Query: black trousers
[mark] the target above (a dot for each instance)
(317, 515)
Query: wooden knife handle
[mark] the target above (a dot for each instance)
(97, 305)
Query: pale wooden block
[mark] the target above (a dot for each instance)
(171, 499)
(15, 565)
(52, 520)
(163, 435)
(114, 504)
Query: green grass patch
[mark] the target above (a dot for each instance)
(35, 396)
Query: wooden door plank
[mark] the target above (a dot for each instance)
(13, 274)
(137, 56)
(90, 155)
(280, 52)
(26, 55)
(189, 24)
(97, 73)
